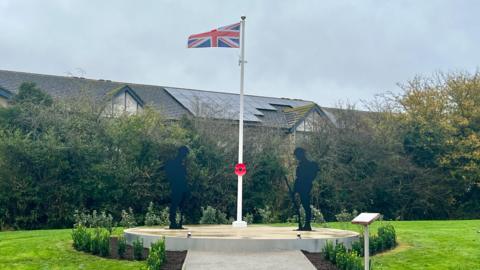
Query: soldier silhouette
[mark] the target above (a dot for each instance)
(305, 174)
(176, 172)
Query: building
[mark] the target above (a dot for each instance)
(289, 114)
(5, 95)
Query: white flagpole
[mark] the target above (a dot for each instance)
(239, 223)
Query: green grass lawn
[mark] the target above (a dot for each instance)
(423, 245)
(50, 249)
(430, 245)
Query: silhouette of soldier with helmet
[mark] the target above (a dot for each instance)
(176, 173)
(305, 174)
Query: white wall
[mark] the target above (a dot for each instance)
(122, 103)
(3, 102)
(311, 122)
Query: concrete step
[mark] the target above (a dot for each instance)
(278, 260)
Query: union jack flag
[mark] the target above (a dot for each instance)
(226, 37)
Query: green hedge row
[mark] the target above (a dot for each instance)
(385, 239)
(95, 241)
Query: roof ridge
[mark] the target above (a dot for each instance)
(142, 84)
(297, 108)
(230, 93)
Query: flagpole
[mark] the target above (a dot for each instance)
(239, 223)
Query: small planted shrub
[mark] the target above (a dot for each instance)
(248, 218)
(95, 242)
(266, 215)
(128, 219)
(81, 238)
(341, 257)
(151, 217)
(339, 248)
(387, 236)
(137, 246)
(100, 242)
(345, 216)
(348, 261)
(164, 215)
(329, 251)
(357, 246)
(94, 220)
(104, 243)
(156, 257)
(317, 216)
(81, 219)
(103, 220)
(211, 215)
(121, 246)
(385, 239)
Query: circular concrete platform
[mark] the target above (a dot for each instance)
(255, 238)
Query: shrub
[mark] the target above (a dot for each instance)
(387, 236)
(81, 219)
(266, 215)
(248, 218)
(329, 251)
(102, 221)
(137, 246)
(104, 243)
(164, 216)
(151, 218)
(128, 219)
(341, 257)
(121, 246)
(211, 215)
(221, 217)
(100, 242)
(345, 216)
(384, 240)
(81, 238)
(95, 242)
(348, 261)
(317, 216)
(357, 246)
(157, 256)
(94, 220)
(339, 248)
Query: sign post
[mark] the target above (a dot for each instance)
(239, 223)
(366, 219)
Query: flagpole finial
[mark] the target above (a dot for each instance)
(243, 18)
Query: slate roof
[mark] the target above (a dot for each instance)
(173, 102)
(63, 86)
(226, 105)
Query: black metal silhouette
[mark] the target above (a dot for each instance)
(305, 174)
(176, 172)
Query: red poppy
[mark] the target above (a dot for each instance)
(240, 169)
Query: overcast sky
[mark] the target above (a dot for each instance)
(322, 51)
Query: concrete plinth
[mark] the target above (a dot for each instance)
(254, 238)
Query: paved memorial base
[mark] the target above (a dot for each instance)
(278, 260)
(254, 238)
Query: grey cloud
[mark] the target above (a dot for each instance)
(316, 50)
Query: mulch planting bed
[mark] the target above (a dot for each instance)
(174, 261)
(319, 261)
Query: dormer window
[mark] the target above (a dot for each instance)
(4, 97)
(125, 101)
